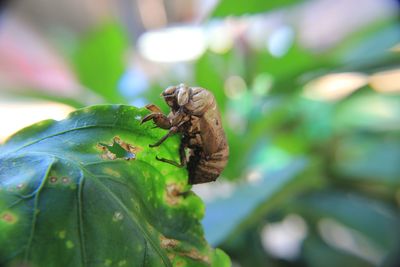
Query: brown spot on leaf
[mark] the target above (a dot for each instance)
(173, 193)
(168, 242)
(53, 179)
(8, 217)
(180, 263)
(118, 149)
(195, 255)
(171, 256)
(65, 180)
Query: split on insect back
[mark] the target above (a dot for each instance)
(195, 116)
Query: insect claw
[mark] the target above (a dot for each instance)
(153, 108)
(179, 165)
(147, 118)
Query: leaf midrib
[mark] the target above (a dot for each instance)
(76, 129)
(145, 233)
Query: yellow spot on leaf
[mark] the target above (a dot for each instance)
(112, 172)
(62, 234)
(118, 216)
(72, 186)
(180, 263)
(171, 256)
(122, 263)
(69, 244)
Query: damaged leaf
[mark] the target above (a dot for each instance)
(88, 191)
(118, 149)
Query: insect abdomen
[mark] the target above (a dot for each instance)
(204, 170)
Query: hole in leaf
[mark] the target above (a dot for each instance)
(118, 150)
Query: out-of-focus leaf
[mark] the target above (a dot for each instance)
(376, 220)
(211, 70)
(253, 123)
(88, 191)
(366, 158)
(99, 61)
(371, 47)
(296, 61)
(368, 111)
(36, 94)
(223, 216)
(316, 254)
(291, 70)
(237, 8)
(247, 249)
(316, 120)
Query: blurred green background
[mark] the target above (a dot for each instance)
(309, 93)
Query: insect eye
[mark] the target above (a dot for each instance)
(169, 92)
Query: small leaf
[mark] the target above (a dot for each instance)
(376, 220)
(63, 203)
(99, 61)
(236, 8)
(317, 253)
(226, 214)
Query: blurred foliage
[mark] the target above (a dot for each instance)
(99, 61)
(236, 8)
(333, 163)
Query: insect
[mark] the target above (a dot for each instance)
(195, 115)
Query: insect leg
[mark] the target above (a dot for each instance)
(159, 119)
(182, 158)
(153, 108)
(157, 116)
(172, 162)
(182, 154)
(171, 131)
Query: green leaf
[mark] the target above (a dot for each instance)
(369, 48)
(371, 159)
(237, 8)
(88, 191)
(250, 201)
(317, 253)
(99, 61)
(212, 80)
(369, 111)
(376, 220)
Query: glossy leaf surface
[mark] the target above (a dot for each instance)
(88, 191)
